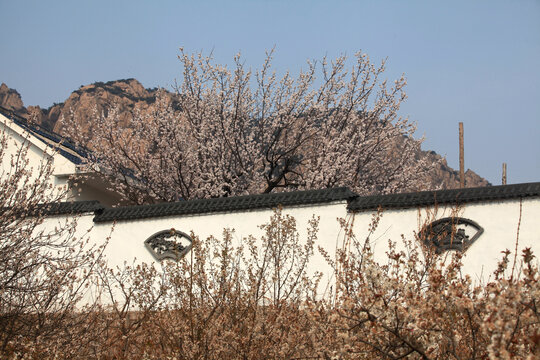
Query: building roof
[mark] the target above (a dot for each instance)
(237, 203)
(452, 196)
(64, 146)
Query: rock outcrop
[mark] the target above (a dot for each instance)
(444, 177)
(85, 103)
(11, 100)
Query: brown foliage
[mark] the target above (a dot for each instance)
(44, 269)
(420, 305)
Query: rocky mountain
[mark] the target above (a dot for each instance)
(130, 95)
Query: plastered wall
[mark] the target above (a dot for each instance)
(499, 219)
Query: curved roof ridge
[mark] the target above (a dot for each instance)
(236, 203)
(61, 208)
(450, 196)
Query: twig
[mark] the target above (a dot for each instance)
(517, 239)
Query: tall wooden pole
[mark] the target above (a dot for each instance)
(461, 158)
(504, 174)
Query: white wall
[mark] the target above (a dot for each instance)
(498, 218)
(127, 241)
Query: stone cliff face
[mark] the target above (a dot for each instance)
(130, 95)
(83, 104)
(11, 100)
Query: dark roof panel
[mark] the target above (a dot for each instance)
(453, 196)
(59, 208)
(75, 207)
(237, 203)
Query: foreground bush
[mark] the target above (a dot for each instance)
(44, 270)
(257, 300)
(419, 305)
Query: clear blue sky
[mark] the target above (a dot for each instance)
(471, 61)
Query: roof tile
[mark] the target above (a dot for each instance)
(248, 202)
(71, 207)
(454, 196)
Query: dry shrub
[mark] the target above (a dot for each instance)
(221, 301)
(420, 305)
(45, 269)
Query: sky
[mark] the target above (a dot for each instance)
(476, 62)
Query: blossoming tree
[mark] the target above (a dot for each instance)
(234, 131)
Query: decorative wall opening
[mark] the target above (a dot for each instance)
(452, 233)
(168, 244)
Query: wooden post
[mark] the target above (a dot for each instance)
(504, 174)
(461, 158)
